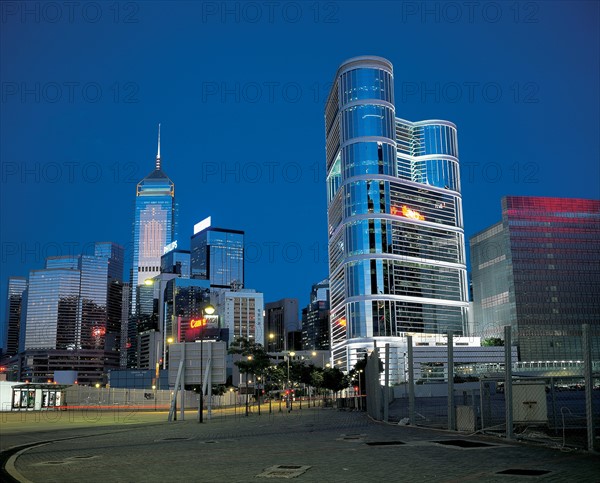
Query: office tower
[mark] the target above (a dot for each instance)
(177, 262)
(396, 240)
(538, 271)
(281, 318)
(241, 312)
(218, 255)
(73, 315)
(154, 227)
(315, 318)
(128, 330)
(14, 305)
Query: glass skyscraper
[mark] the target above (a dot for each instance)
(538, 271)
(75, 302)
(395, 227)
(73, 315)
(154, 226)
(217, 255)
(14, 308)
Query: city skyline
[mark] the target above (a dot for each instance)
(242, 130)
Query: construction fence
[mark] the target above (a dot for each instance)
(555, 403)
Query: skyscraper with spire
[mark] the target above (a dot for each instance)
(154, 227)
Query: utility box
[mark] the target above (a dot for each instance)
(529, 402)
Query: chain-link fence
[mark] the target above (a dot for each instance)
(486, 390)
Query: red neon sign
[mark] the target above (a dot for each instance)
(195, 323)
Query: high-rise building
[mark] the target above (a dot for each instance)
(396, 239)
(281, 318)
(538, 271)
(185, 300)
(14, 307)
(73, 315)
(315, 318)
(241, 312)
(154, 226)
(176, 262)
(217, 255)
(128, 330)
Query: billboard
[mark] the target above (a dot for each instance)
(196, 356)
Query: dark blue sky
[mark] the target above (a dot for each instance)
(240, 95)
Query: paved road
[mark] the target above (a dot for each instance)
(324, 445)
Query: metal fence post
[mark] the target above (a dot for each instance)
(508, 381)
(411, 382)
(451, 414)
(386, 388)
(589, 385)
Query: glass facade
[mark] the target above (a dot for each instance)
(218, 255)
(75, 305)
(154, 227)
(177, 262)
(315, 318)
(14, 308)
(396, 239)
(185, 299)
(538, 271)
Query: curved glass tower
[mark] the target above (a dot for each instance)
(396, 240)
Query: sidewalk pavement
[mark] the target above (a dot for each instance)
(315, 444)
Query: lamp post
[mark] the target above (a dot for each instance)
(208, 310)
(249, 359)
(289, 399)
(165, 352)
(359, 391)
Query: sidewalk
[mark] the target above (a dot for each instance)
(318, 444)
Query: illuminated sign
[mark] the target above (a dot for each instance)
(342, 322)
(169, 247)
(98, 331)
(195, 323)
(407, 212)
(198, 227)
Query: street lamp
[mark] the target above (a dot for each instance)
(359, 390)
(170, 340)
(289, 399)
(271, 337)
(207, 310)
(249, 359)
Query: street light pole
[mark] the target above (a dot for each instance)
(249, 358)
(359, 391)
(208, 310)
(289, 399)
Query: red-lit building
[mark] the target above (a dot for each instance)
(538, 270)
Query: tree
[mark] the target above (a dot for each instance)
(334, 379)
(254, 360)
(492, 342)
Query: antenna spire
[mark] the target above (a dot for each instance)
(158, 152)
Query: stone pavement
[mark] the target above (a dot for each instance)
(315, 444)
